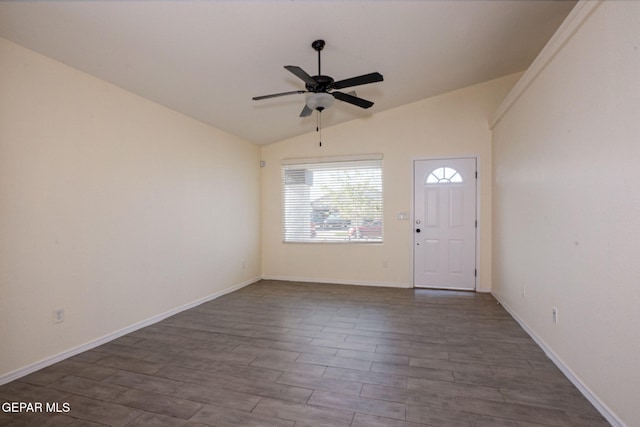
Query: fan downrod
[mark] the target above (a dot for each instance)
(321, 86)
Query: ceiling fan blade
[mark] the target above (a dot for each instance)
(352, 99)
(301, 74)
(306, 111)
(360, 80)
(275, 95)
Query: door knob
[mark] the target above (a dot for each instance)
(417, 230)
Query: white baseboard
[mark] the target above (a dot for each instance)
(353, 282)
(586, 392)
(338, 282)
(18, 373)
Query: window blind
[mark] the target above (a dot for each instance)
(333, 200)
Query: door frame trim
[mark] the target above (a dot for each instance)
(478, 215)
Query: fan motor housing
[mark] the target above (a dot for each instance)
(323, 84)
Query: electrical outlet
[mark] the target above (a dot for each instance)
(524, 291)
(385, 264)
(58, 315)
(554, 314)
(244, 263)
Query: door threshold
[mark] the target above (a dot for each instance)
(440, 288)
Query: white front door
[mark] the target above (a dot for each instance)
(445, 223)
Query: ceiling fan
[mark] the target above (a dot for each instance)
(322, 89)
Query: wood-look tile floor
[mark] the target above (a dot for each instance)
(299, 354)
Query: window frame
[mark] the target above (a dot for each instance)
(302, 172)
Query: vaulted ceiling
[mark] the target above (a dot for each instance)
(207, 59)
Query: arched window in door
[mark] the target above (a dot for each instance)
(444, 175)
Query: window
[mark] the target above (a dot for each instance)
(333, 200)
(444, 175)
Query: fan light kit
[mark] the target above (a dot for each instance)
(319, 101)
(321, 88)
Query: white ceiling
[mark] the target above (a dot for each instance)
(207, 59)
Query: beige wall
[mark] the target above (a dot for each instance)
(111, 207)
(453, 124)
(567, 207)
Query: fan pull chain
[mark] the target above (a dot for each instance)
(319, 127)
